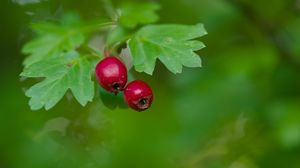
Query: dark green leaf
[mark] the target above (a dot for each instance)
(110, 100)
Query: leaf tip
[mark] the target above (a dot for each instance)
(202, 28)
(22, 74)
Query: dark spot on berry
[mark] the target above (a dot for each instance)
(143, 102)
(138, 95)
(116, 86)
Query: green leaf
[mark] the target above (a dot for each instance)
(117, 36)
(173, 45)
(52, 39)
(112, 101)
(133, 14)
(61, 73)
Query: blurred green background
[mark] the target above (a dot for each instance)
(240, 110)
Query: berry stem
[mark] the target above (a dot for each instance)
(106, 52)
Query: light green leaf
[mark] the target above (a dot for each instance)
(118, 35)
(52, 39)
(173, 45)
(133, 14)
(61, 73)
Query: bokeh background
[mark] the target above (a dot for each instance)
(240, 110)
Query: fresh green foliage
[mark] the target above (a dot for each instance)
(117, 36)
(52, 39)
(173, 45)
(134, 14)
(53, 56)
(131, 16)
(58, 51)
(69, 71)
(241, 110)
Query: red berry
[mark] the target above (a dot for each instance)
(111, 74)
(138, 95)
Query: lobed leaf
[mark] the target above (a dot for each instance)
(173, 45)
(134, 14)
(61, 73)
(117, 36)
(51, 40)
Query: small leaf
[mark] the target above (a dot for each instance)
(134, 14)
(61, 73)
(173, 45)
(118, 35)
(52, 39)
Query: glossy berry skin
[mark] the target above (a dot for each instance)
(138, 95)
(111, 74)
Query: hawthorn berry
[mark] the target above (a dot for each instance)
(111, 74)
(138, 95)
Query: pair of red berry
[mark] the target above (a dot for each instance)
(112, 76)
